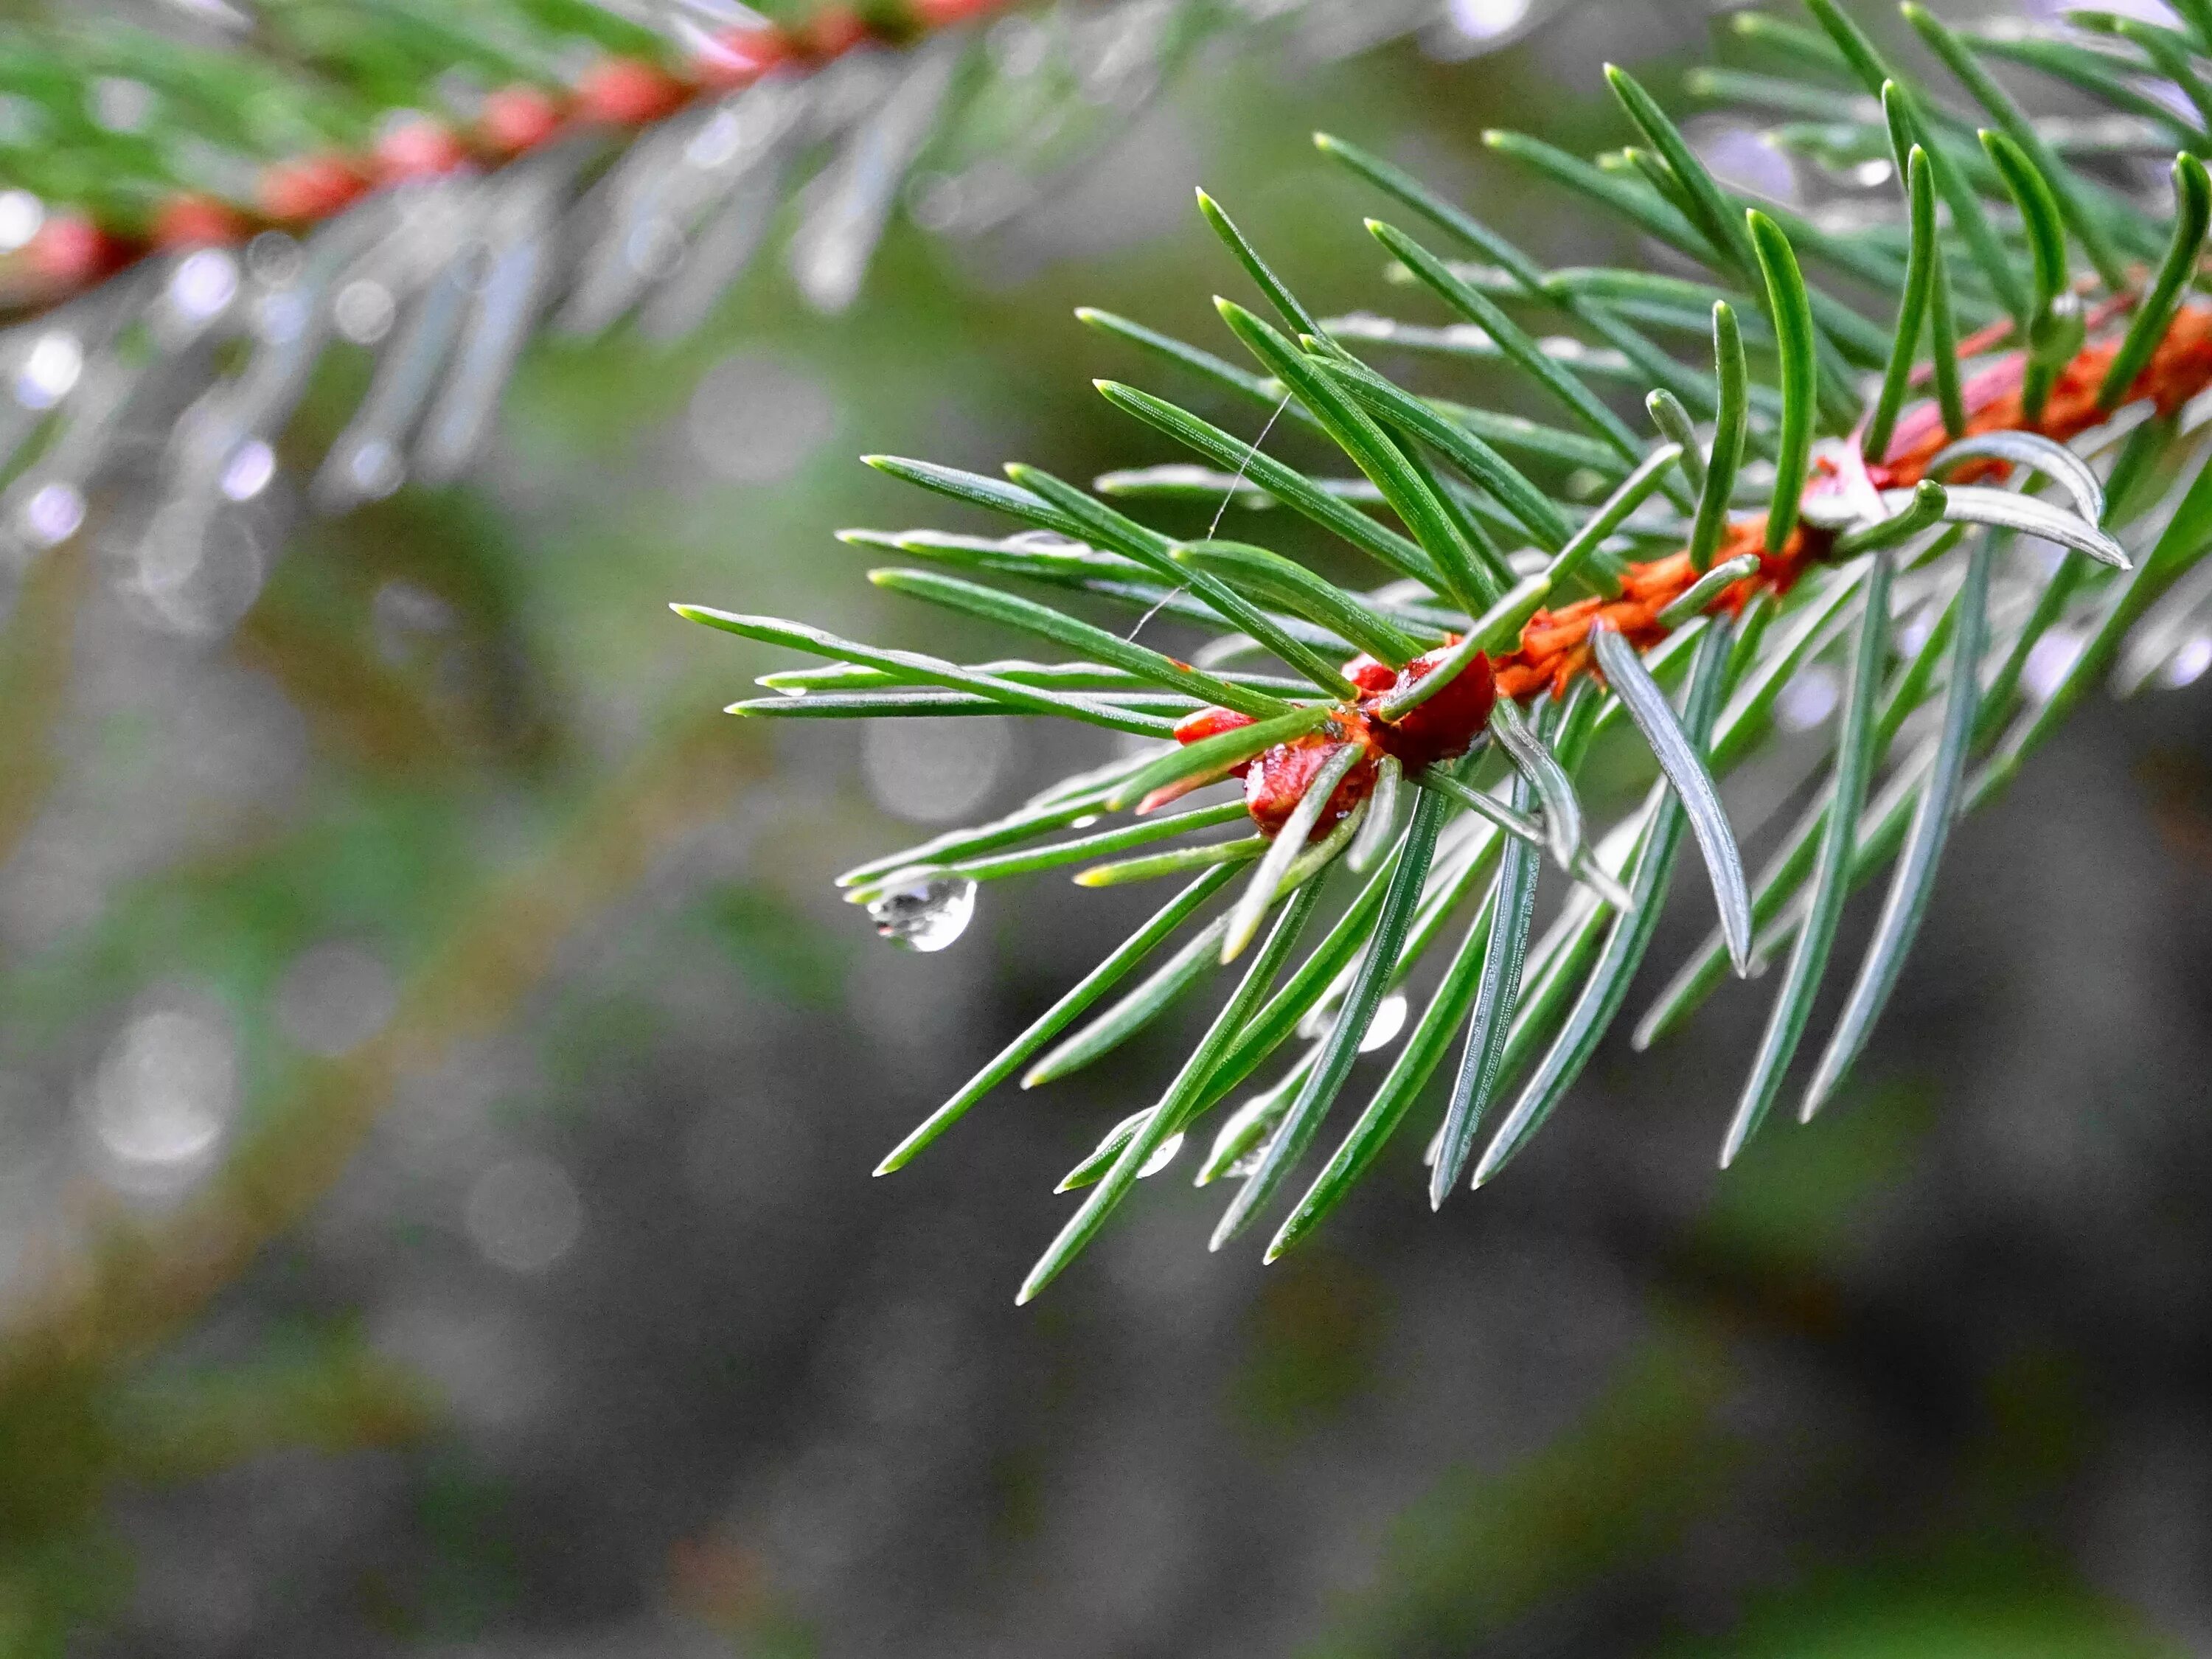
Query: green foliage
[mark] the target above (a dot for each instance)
(1874, 531)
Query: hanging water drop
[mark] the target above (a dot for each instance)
(1242, 1141)
(1389, 1020)
(927, 916)
(1249, 1161)
(1163, 1155)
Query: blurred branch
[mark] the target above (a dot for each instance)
(442, 243)
(1650, 1453)
(432, 692)
(355, 705)
(36, 652)
(141, 1279)
(338, 1396)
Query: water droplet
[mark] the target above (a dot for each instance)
(204, 284)
(1085, 822)
(49, 370)
(199, 570)
(20, 215)
(53, 513)
(1389, 1020)
(363, 311)
(248, 470)
(932, 771)
(757, 419)
(376, 469)
(523, 1214)
(927, 916)
(715, 145)
(2187, 665)
(1481, 22)
(273, 258)
(165, 1091)
(1162, 1155)
(1250, 1130)
(120, 104)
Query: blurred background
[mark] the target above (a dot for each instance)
(438, 1083)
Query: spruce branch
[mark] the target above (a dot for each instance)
(202, 206)
(1908, 463)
